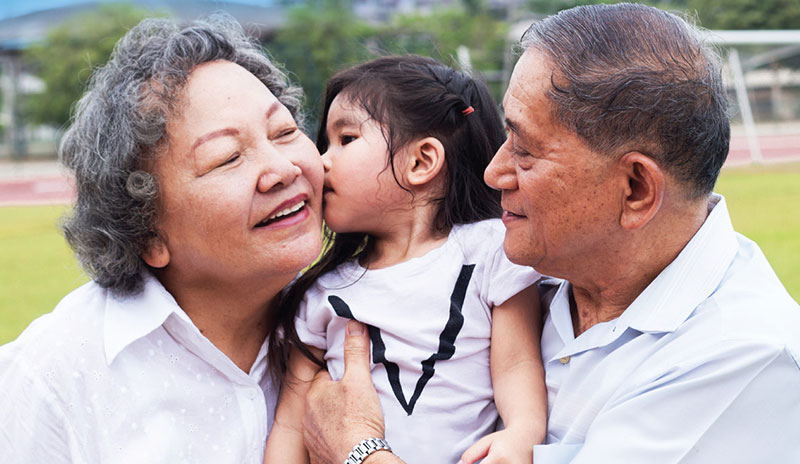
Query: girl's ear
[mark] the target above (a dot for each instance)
(156, 254)
(425, 161)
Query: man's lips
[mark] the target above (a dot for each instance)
(509, 216)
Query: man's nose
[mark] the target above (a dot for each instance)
(500, 173)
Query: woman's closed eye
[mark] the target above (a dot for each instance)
(230, 160)
(287, 133)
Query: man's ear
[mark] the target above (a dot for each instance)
(644, 189)
(425, 161)
(156, 254)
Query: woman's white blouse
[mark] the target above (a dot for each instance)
(103, 379)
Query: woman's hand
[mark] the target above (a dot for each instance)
(341, 414)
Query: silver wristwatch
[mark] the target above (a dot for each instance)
(365, 448)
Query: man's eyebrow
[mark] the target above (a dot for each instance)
(525, 137)
(513, 127)
(212, 135)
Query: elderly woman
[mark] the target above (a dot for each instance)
(198, 202)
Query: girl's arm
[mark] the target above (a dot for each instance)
(518, 382)
(285, 442)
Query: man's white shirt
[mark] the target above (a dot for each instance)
(701, 368)
(104, 379)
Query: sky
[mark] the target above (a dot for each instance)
(11, 8)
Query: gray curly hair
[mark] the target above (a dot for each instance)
(119, 126)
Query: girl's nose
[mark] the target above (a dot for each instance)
(326, 162)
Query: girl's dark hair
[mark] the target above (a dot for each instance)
(412, 97)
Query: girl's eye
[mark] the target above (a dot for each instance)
(345, 139)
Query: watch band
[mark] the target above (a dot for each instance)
(365, 448)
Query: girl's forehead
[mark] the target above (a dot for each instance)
(345, 112)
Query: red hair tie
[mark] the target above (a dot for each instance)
(468, 111)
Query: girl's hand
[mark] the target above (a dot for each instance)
(503, 447)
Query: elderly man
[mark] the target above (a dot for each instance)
(670, 338)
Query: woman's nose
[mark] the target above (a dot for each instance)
(277, 171)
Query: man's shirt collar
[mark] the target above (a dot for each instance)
(670, 298)
(691, 278)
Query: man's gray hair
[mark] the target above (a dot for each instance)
(119, 126)
(632, 77)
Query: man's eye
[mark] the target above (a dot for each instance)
(345, 139)
(519, 152)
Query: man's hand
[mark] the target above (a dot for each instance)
(341, 414)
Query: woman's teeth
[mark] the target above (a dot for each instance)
(287, 211)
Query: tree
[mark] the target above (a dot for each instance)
(547, 7)
(747, 14)
(442, 32)
(318, 39)
(66, 58)
(712, 14)
(323, 36)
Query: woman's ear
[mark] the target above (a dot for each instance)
(156, 254)
(643, 191)
(425, 161)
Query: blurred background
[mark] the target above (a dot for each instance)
(48, 49)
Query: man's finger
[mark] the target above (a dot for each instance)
(356, 351)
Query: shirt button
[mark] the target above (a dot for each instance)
(564, 360)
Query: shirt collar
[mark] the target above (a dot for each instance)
(128, 319)
(691, 278)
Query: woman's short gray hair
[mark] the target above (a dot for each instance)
(120, 124)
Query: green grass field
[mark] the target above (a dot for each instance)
(37, 268)
(764, 203)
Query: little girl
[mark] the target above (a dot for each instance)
(418, 256)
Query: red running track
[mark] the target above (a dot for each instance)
(37, 191)
(774, 149)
